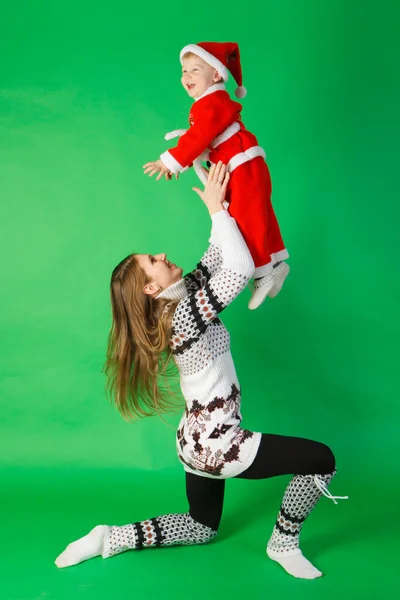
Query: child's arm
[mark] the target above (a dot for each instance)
(208, 124)
(210, 119)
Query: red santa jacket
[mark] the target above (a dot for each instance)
(216, 126)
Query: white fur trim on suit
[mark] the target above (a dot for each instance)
(198, 166)
(217, 87)
(226, 134)
(279, 256)
(174, 134)
(243, 157)
(276, 257)
(207, 57)
(171, 163)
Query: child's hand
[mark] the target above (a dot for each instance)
(168, 176)
(157, 166)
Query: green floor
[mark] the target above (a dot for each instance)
(351, 543)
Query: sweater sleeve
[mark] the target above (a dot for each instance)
(195, 312)
(209, 264)
(211, 116)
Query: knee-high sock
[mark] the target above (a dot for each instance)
(301, 496)
(167, 530)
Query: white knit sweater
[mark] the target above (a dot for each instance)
(210, 441)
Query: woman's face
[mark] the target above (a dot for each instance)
(160, 272)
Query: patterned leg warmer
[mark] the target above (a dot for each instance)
(301, 496)
(167, 530)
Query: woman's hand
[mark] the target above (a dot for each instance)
(214, 192)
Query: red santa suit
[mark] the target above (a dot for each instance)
(216, 128)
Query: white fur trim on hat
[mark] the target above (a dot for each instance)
(240, 92)
(208, 58)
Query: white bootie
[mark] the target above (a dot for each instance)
(269, 285)
(280, 274)
(261, 288)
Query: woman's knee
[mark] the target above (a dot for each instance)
(324, 459)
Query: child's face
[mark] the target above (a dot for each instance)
(197, 76)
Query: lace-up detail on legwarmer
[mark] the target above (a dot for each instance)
(301, 496)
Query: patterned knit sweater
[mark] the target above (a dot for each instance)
(210, 441)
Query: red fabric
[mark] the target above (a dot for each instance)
(228, 54)
(249, 194)
(249, 190)
(208, 117)
(240, 142)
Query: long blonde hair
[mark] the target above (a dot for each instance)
(138, 359)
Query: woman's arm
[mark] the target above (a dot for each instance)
(209, 264)
(236, 267)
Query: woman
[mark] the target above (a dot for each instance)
(153, 308)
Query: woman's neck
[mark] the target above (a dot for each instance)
(176, 291)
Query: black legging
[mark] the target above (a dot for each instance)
(277, 455)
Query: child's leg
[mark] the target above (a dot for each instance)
(275, 240)
(198, 526)
(315, 465)
(249, 195)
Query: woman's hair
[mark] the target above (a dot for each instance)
(138, 353)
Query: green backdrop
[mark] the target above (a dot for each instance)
(87, 92)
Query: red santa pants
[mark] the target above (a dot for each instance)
(249, 197)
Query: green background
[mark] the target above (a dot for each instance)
(88, 90)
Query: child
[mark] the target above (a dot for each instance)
(215, 124)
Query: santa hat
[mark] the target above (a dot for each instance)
(222, 56)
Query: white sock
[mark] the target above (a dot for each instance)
(89, 546)
(296, 565)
